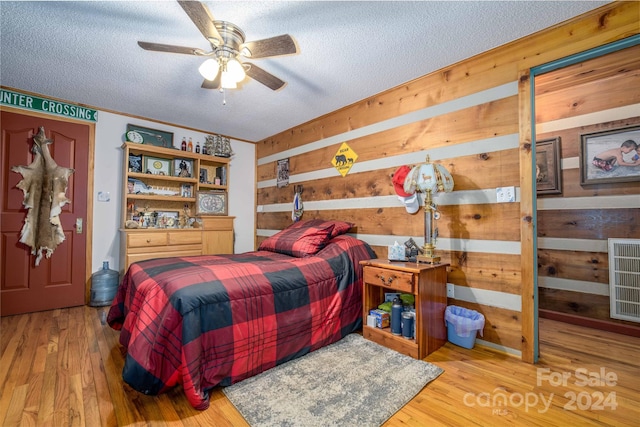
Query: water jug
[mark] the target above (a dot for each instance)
(396, 316)
(104, 284)
(407, 324)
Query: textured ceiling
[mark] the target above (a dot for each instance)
(86, 52)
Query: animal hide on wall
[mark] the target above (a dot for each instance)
(44, 185)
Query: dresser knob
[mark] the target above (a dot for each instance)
(148, 240)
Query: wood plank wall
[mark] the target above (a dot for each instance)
(469, 118)
(573, 227)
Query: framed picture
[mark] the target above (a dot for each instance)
(610, 156)
(204, 175)
(548, 173)
(135, 163)
(212, 202)
(186, 190)
(157, 165)
(183, 168)
(167, 219)
(144, 135)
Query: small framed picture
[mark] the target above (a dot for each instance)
(167, 219)
(145, 135)
(548, 171)
(212, 202)
(610, 156)
(183, 168)
(204, 174)
(186, 190)
(157, 165)
(135, 163)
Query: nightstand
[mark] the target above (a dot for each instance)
(428, 282)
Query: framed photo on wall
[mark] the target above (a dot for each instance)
(135, 163)
(143, 135)
(548, 170)
(183, 168)
(186, 190)
(212, 202)
(157, 165)
(610, 156)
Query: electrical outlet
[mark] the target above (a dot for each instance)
(451, 293)
(506, 194)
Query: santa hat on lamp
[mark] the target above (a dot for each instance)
(409, 199)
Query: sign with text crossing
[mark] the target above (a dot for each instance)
(35, 103)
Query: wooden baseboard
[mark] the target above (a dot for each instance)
(603, 325)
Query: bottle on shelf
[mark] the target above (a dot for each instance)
(184, 144)
(190, 146)
(198, 147)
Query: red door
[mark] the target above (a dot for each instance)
(60, 280)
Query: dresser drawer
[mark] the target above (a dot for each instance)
(396, 280)
(138, 240)
(185, 237)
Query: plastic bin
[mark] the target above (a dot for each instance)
(463, 325)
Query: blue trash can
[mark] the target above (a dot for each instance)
(463, 325)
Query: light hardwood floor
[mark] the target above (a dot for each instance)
(63, 367)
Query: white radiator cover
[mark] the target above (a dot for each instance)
(624, 279)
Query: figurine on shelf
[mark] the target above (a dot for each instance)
(209, 143)
(223, 146)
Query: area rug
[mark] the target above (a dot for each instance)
(354, 382)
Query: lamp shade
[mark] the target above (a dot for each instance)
(435, 178)
(209, 69)
(227, 81)
(235, 69)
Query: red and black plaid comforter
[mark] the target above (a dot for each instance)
(215, 320)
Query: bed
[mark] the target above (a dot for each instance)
(217, 319)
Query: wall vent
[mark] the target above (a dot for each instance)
(624, 279)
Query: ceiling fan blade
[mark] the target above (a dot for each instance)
(211, 84)
(274, 46)
(159, 47)
(264, 77)
(203, 19)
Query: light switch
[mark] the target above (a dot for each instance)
(104, 196)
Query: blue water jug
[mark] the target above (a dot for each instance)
(104, 284)
(396, 316)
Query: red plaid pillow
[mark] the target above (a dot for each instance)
(339, 227)
(298, 242)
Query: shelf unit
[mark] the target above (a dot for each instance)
(427, 282)
(215, 234)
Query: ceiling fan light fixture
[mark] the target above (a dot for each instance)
(227, 81)
(209, 69)
(235, 70)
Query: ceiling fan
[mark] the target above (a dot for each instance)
(222, 69)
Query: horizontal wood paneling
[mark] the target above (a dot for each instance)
(596, 70)
(484, 271)
(476, 172)
(458, 221)
(576, 265)
(589, 223)
(480, 122)
(583, 93)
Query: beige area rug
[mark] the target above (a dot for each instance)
(354, 382)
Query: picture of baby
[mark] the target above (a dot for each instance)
(611, 156)
(607, 159)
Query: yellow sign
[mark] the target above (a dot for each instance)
(344, 159)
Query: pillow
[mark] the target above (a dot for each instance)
(298, 241)
(339, 227)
